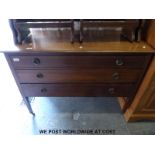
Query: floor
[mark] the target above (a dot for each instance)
(62, 115)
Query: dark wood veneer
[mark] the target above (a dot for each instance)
(77, 89)
(79, 75)
(78, 61)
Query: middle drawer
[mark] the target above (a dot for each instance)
(79, 75)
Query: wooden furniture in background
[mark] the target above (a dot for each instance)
(143, 105)
(18, 25)
(130, 29)
(151, 34)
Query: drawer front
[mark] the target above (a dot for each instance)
(79, 76)
(115, 61)
(77, 89)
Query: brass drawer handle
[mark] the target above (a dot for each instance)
(36, 61)
(43, 90)
(111, 90)
(40, 75)
(115, 76)
(119, 62)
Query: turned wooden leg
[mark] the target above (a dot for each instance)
(138, 35)
(27, 103)
(81, 31)
(72, 31)
(19, 37)
(129, 35)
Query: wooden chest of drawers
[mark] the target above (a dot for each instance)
(104, 64)
(77, 74)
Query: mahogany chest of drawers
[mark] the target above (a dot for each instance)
(66, 59)
(77, 74)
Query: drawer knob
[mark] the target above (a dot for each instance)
(40, 75)
(111, 90)
(119, 62)
(115, 76)
(36, 61)
(43, 90)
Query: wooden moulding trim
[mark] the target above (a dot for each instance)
(129, 116)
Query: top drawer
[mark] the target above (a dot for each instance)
(99, 61)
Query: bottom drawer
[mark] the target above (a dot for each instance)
(77, 89)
